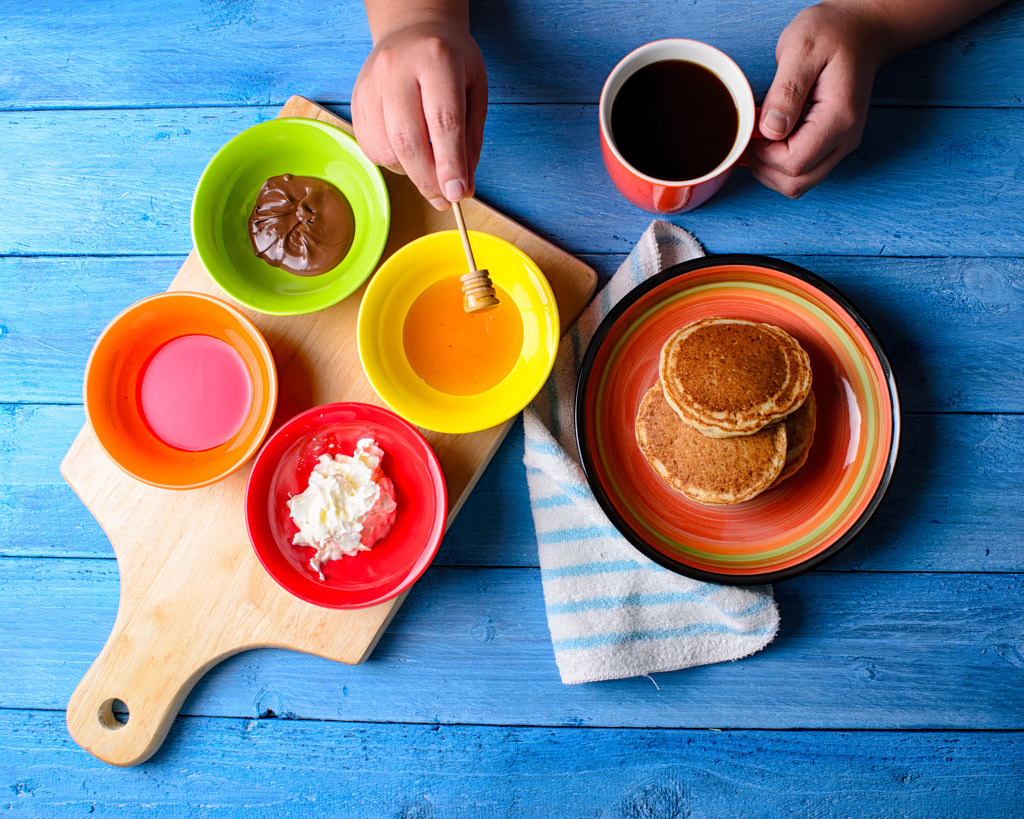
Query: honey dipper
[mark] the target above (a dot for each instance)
(477, 289)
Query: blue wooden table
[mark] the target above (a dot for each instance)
(895, 686)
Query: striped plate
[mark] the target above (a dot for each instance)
(806, 519)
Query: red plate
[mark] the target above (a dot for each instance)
(282, 469)
(806, 519)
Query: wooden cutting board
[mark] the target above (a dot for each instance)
(192, 589)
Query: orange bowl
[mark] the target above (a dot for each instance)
(114, 398)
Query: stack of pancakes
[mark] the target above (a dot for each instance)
(732, 414)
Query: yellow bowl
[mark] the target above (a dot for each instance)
(397, 285)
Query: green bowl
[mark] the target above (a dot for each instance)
(226, 193)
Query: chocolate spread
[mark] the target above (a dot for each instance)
(301, 224)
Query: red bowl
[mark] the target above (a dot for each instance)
(282, 469)
(792, 527)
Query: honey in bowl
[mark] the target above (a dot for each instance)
(461, 353)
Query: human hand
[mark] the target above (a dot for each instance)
(814, 113)
(418, 107)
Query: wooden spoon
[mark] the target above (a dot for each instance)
(477, 289)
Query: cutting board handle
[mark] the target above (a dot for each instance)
(152, 688)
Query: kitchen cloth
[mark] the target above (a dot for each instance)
(612, 612)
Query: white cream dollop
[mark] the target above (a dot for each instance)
(347, 507)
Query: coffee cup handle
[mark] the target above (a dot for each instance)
(744, 159)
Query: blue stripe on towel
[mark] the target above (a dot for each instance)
(543, 447)
(636, 269)
(551, 501)
(652, 599)
(756, 607)
(576, 533)
(618, 637)
(600, 567)
(575, 490)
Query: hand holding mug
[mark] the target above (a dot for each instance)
(815, 110)
(814, 113)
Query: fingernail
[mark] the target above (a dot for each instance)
(455, 190)
(440, 204)
(775, 122)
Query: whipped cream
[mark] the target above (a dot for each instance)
(348, 506)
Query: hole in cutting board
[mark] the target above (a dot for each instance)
(113, 714)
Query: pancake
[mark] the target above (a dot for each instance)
(727, 377)
(800, 425)
(707, 470)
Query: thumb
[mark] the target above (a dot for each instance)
(783, 105)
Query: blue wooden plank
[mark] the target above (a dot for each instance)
(923, 183)
(561, 52)
(855, 651)
(43, 520)
(68, 54)
(272, 768)
(952, 326)
(53, 310)
(118, 179)
(953, 504)
(932, 182)
(33, 440)
(97, 55)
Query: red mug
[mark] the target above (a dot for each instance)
(676, 195)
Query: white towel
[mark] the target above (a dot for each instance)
(613, 612)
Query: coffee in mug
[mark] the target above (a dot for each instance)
(653, 120)
(676, 117)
